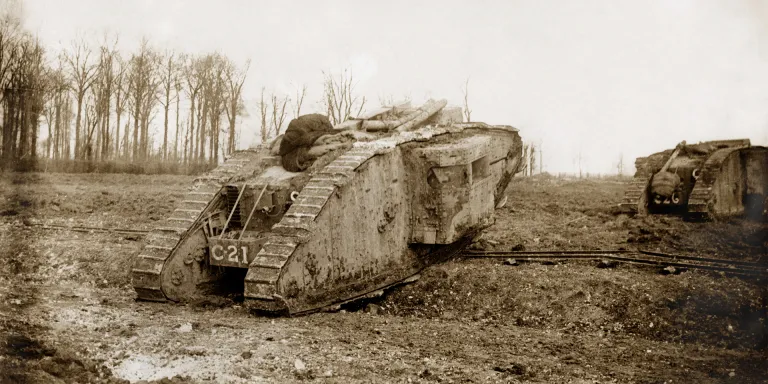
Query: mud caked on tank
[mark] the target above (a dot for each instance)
(706, 180)
(355, 209)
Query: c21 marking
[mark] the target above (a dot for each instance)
(232, 254)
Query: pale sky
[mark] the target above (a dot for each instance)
(602, 78)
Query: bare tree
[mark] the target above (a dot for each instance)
(579, 163)
(10, 35)
(178, 88)
(203, 69)
(339, 98)
(620, 164)
(541, 156)
(465, 91)
(24, 88)
(122, 89)
(278, 113)
(49, 113)
(300, 94)
(194, 84)
(235, 107)
(143, 84)
(166, 79)
(263, 107)
(78, 95)
(105, 85)
(83, 73)
(55, 104)
(214, 91)
(91, 121)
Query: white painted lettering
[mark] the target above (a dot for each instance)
(232, 253)
(245, 254)
(217, 252)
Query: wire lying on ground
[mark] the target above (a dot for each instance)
(741, 268)
(644, 257)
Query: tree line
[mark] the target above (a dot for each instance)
(99, 105)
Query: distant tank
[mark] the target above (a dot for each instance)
(705, 180)
(403, 189)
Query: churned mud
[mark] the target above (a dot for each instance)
(68, 312)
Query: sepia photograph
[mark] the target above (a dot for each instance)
(354, 191)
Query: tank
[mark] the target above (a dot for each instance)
(407, 188)
(707, 180)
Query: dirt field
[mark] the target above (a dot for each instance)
(68, 314)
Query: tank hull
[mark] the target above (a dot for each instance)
(370, 218)
(716, 179)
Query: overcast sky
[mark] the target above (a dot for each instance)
(602, 78)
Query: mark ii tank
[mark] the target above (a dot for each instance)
(401, 189)
(707, 180)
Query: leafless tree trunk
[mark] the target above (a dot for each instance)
(49, 113)
(11, 35)
(177, 87)
(122, 90)
(620, 164)
(25, 85)
(106, 83)
(143, 84)
(465, 91)
(215, 93)
(201, 128)
(541, 157)
(529, 159)
(339, 96)
(67, 128)
(278, 114)
(578, 162)
(192, 78)
(82, 90)
(299, 100)
(235, 81)
(263, 114)
(83, 73)
(186, 141)
(167, 84)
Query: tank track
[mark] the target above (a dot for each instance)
(701, 196)
(297, 223)
(163, 240)
(636, 192)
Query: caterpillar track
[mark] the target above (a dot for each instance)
(181, 232)
(361, 219)
(711, 179)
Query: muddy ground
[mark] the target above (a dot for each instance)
(68, 313)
